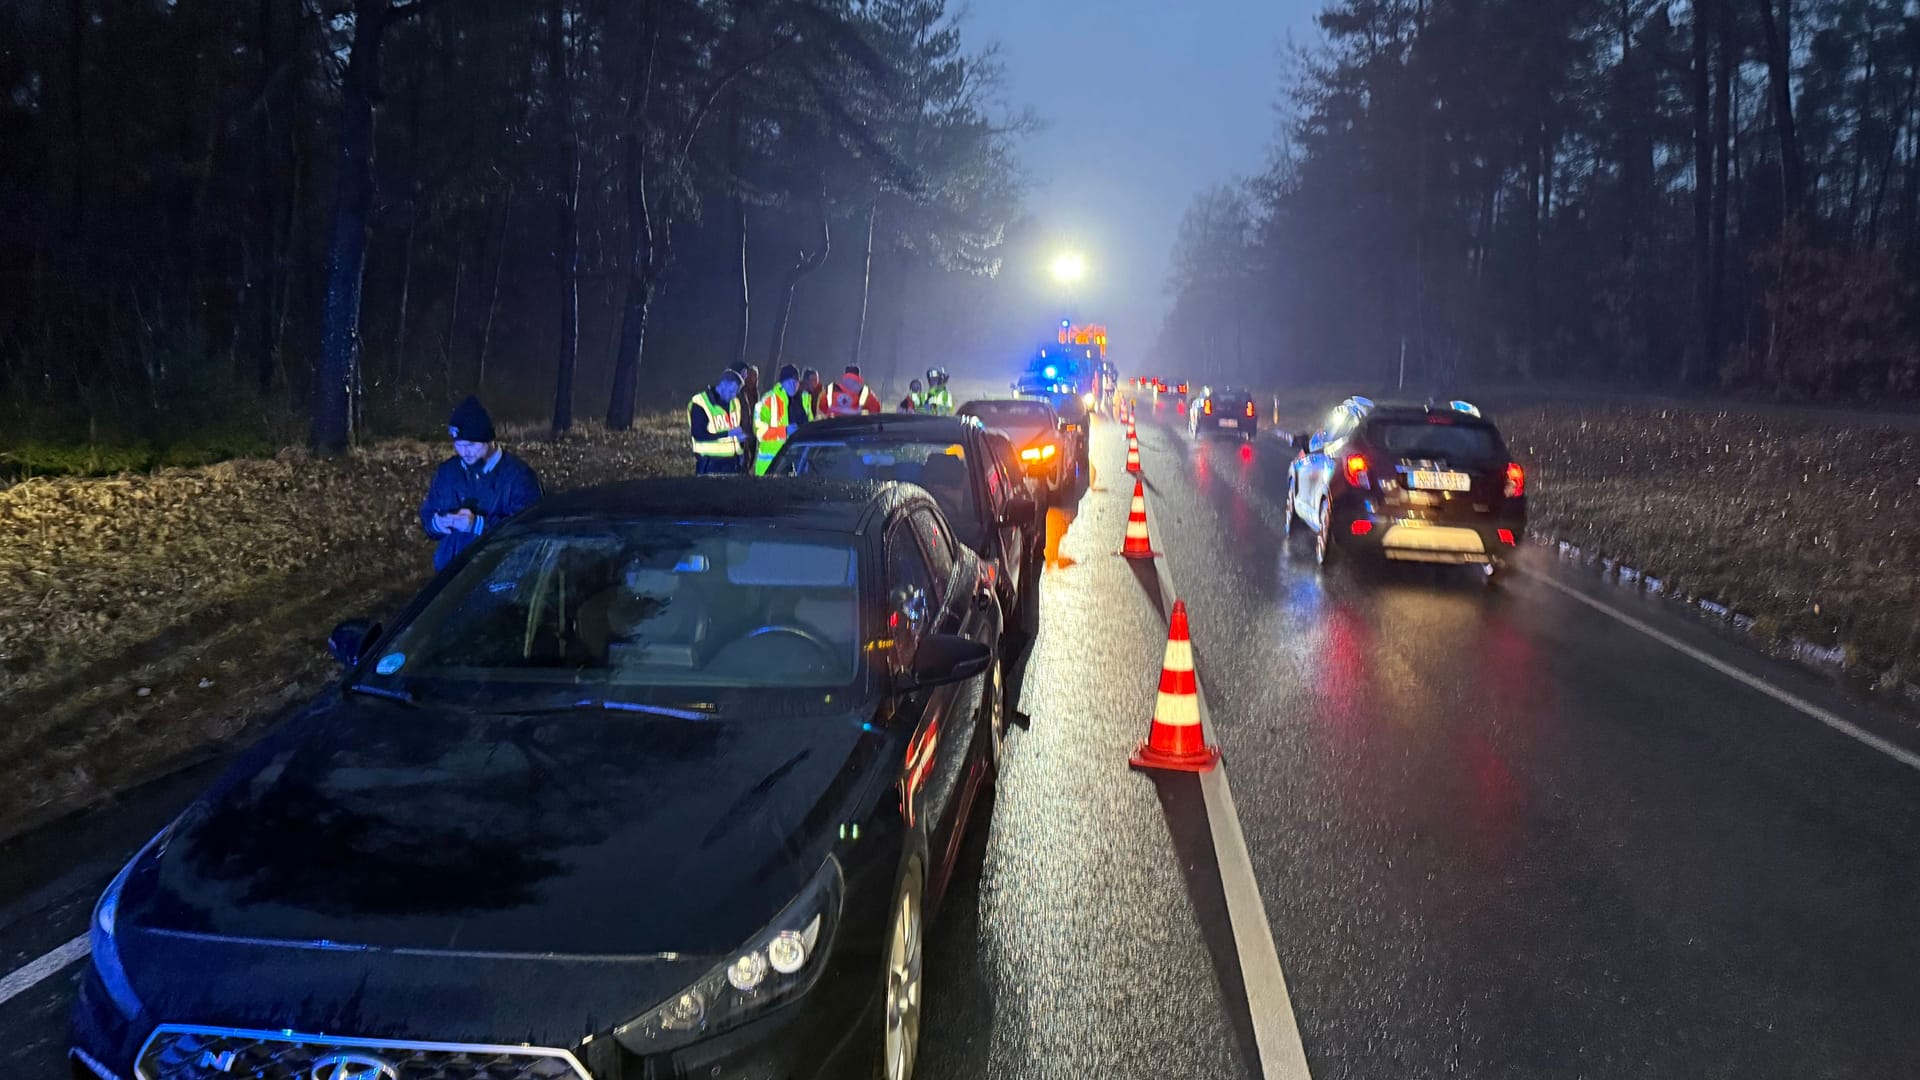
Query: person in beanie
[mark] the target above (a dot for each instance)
(476, 489)
(773, 419)
(911, 403)
(713, 422)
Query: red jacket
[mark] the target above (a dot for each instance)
(848, 395)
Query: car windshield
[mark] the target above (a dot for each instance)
(1021, 419)
(646, 613)
(940, 467)
(1440, 441)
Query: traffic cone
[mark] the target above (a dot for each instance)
(1138, 546)
(1175, 740)
(1133, 454)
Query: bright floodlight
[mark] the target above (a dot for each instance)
(1069, 267)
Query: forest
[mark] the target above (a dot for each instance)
(1721, 195)
(233, 220)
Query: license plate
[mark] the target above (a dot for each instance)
(1230, 423)
(1433, 480)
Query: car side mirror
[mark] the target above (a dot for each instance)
(350, 641)
(947, 658)
(1019, 513)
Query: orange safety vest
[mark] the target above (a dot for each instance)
(770, 427)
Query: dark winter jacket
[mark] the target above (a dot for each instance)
(495, 490)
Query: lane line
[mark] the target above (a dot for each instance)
(1276, 1030)
(24, 979)
(1845, 727)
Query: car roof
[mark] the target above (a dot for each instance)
(907, 427)
(827, 505)
(1420, 410)
(1038, 403)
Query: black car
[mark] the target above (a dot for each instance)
(1225, 411)
(1429, 482)
(658, 781)
(985, 499)
(1047, 452)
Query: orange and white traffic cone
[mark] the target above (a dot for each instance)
(1176, 741)
(1133, 454)
(1138, 546)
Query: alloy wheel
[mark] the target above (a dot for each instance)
(903, 982)
(1323, 544)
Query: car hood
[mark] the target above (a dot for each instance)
(580, 834)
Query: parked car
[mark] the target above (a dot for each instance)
(1046, 451)
(986, 500)
(1412, 482)
(647, 784)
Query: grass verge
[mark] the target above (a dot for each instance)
(146, 619)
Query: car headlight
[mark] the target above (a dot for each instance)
(1089, 399)
(781, 962)
(104, 924)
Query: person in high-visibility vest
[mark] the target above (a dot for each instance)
(938, 400)
(713, 419)
(807, 402)
(773, 419)
(849, 395)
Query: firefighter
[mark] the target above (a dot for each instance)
(773, 418)
(911, 403)
(938, 400)
(713, 418)
(849, 395)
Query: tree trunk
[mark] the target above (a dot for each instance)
(1779, 42)
(347, 236)
(866, 286)
(642, 266)
(77, 19)
(259, 293)
(1722, 132)
(1701, 83)
(567, 217)
(743, 322)
(807, 263)
(493, 293)
(453, 314)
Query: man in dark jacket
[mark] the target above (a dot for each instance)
(478, 488)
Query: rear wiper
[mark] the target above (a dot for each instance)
(403, 696)
(611, 705)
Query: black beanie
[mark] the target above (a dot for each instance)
(788, 371)
(470, 422)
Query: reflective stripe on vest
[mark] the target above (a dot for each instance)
(770, 423)
(720, 425)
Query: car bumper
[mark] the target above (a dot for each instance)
(1482, 539)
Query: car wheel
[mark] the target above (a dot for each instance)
(905, 964)
(1323, 544)
(994, 703)
(1293, 490)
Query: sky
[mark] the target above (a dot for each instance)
(1146, 104)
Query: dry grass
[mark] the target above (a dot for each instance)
(144, 619)
(1813, 528)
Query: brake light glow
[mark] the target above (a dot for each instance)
(1038, 453)
(1207, 406)
(1249, 408)
(1356, 467)
(1362, 527)
(1506, 537)
(1516, 480)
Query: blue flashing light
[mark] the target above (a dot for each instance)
(1051, 371)
(1365, 403)
(1066, 324)
(1464, 407)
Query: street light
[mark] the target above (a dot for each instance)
(1069, 267)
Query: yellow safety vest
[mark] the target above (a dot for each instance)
(721, 422)
(770, 427)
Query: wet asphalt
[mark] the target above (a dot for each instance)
(1497, 834)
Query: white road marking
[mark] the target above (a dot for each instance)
(1276, 1031)
(24, 979)
(1845, 727)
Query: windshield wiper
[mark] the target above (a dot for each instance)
(612, 705)
(403, 696)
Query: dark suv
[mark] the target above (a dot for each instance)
(1225, 412)
(1417, 483)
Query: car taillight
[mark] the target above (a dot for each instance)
(1516, 480)
(1362, 527)
(1249, 408)
(1207, 406)
(1356, 471)
(1506, 537)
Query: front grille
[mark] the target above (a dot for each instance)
(191, 1053)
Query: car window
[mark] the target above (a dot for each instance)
(940, 467)
(637, 611)
(912, 603)
(934, 538)
(1443, 441)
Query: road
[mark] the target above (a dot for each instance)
(1495, 832)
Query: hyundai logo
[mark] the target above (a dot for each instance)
(352, 1067)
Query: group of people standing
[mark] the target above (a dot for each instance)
(724, 440)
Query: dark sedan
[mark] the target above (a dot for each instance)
(1047, 452)
(658, 781)
(986, 499)
(1223, 412)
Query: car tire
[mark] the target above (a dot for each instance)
(902, 983)
(1323, 542)
(1286, 529)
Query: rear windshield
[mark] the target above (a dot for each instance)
(941, 468)
(999, 413)
(1423, 439)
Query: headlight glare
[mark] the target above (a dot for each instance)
(748, 972)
